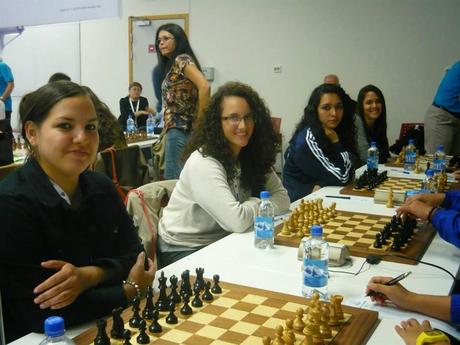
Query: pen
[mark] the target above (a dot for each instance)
(338, 197)
(401, 171)
(391, 282)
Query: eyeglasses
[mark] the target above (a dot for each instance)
(235, 119)
(164, 39)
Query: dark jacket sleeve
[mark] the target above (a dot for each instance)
(125, 110)
(327, 170)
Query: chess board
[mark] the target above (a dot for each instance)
(244, 315)
(395, 183)
(423, 160)
(357, 231)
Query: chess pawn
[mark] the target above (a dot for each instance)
(333, 321)
(285, 230)
(279, 336)
(389, 203)
(338, 306)
(298, 324)
(288, 334)
(325, 331)
(308, 340)
(318, 340)
(266, 340)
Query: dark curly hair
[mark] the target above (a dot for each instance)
(345, 130)
(256, 158)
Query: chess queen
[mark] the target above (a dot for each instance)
(66, 240)
(322, 150)
(229, 161)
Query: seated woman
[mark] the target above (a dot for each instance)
(371, 123)
(136, 106)
(230, 159)
(67, 244)
(321, 151)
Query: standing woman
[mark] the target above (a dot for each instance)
(230, 158)
(185, 92)
(321, 151)
(371, 123)
(67, 244)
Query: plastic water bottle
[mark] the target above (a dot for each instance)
(55, 332)
(130, 125)
(150, 126)
(411, 155)
(429, 182)
(315, 261)
(264, 227)
(373, 157)
(439, 160)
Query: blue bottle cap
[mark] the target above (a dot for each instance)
(373, 144)
(440, 147)
(54, 326)
(265, 194)
(430, 172)
(316, 230)
(411, 141)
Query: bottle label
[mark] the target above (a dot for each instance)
(264, 227)
(410, 157)
(315, 272)
(372, 163)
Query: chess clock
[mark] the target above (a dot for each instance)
(429, 337)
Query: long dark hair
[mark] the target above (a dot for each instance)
(256, 158)
(182, 47)
(36, 105)
(378, 131)
(345, 130)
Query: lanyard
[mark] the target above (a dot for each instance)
(137, 105)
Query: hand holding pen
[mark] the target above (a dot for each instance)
(383, 289)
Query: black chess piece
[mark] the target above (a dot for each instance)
(186, 286)
(101, 337)
(171, 318)
(174, 296)
(143, 337)
(127, 337)
(186, 309)
(199, 281)
(162, 302)
(378, 240)
(197, 302)
(396, 245)
(118, 325)
(155, 327)
(207, 295)
(216, 288)
(149, 307)
(135, 320)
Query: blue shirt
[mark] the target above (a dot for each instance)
(5, 77)
(448, 94)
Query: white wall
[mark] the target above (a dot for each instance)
(402, 46)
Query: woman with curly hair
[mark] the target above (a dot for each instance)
(229, 162)
(321, 150)
(371, 123)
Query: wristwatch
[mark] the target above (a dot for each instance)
(429, 337)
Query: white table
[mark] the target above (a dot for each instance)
(236, 260)
(145, 143)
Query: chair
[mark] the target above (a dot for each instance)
(276, 123)
(126, 167)
(145, 205)
(7, 169)
(410, 131)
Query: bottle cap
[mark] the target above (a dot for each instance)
(373, 144)
(440, 147)
(265, 194)
(316, 230)
(411, 141)
(54, 326)
(430, 172)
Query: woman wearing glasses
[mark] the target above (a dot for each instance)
(230, 159)
(321, 149)
(185, 92)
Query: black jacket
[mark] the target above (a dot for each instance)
(38, 225)
(125, 111)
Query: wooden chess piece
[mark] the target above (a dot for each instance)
(279, 336)
(338, 306)
(266, 340)
(417, 165)
(285, 230)
(298, 324)
(389, 203)
(288, 334)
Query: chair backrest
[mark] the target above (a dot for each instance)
(408, 131)
(126, 167)
(7, 169)
(145, 205)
